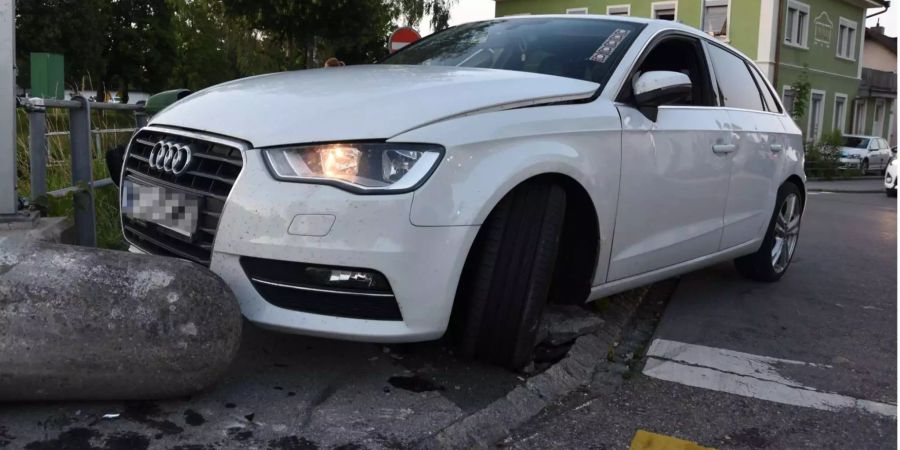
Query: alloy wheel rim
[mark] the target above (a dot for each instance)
(787, 230)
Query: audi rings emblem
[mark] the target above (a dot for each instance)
(170, 157)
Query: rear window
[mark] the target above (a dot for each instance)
(856, 142)
(585, 49)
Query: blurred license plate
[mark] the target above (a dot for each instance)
(167, 208)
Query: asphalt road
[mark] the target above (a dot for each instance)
(827, 330)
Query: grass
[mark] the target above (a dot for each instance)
(59, 169)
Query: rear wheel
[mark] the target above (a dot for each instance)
(774, 256)
(508, 274)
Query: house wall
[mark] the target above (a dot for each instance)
(877, 57)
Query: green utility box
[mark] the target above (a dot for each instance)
(47, 76)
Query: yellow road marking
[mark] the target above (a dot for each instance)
(644, 440)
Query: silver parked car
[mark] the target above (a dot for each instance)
(866, 153)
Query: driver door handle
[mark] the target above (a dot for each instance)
(724, 149)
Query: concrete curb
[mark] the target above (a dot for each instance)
(494, 422)
(847, 191)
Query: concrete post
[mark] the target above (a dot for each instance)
(37, 147)
(81, 323)
(9, 202)
(82, 173)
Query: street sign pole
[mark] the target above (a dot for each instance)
(9, 203)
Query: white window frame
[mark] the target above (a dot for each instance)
(839, 123)
(851, 25)
(784, 105)
(794, 4)
(581, 10)
(626, 7)
(727, 37)
(880, 130)
(656, 6)
(811, 113)
(861, 121)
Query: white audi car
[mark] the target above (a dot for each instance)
(472, 178)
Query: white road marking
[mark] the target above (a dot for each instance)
(746, 375)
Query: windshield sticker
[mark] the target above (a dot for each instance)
(609, 46)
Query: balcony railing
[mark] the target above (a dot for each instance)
(878, 83)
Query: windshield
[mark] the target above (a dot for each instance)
(856, 142)
(585, 49)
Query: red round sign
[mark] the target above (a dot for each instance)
(402, 37)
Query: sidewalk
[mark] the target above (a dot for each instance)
(855, 186)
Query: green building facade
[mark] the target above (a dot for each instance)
(819, 39)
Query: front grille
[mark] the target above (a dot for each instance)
(210, 178)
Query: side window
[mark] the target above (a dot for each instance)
(736, 85)
(767, 94)
(678, 54)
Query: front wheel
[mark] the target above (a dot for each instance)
(890, 192)
(774, 257)
(864, 167)
(507, 277)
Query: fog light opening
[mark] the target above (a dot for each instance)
(348, 279)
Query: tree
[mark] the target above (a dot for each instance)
(106, 45)
(214, 48)
(140, 48)
(413, 11)
(355, 30)
(73, 28)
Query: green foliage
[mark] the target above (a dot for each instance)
(59, 169)
(153, 45)
(801, 89)
(107, 46)
(413, 11)
(354, 30)
(823, 157)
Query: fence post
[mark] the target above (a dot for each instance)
(140, 119)
(82, 173)
(37, 147)
(9, 203)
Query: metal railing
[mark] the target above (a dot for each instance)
(80, 132)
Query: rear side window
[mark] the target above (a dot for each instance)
(767, 95)
(736, 85)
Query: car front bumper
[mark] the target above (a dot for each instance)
(283, 221)
(850, 163)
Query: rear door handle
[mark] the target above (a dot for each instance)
(775, 148)
(723, 149)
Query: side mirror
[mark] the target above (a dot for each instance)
(661, 87)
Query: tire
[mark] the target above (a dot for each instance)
(864, 167)
(763, 265)
(508, 274)
(890, 192)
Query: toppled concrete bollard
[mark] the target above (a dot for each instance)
(85, 323)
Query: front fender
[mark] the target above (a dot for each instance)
(489, 154)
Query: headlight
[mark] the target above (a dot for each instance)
(362, 167)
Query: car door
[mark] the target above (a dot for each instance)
(758, 137)
(883, 152)
(872, 154)
(675, 168)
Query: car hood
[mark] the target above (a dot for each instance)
(359, 102)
